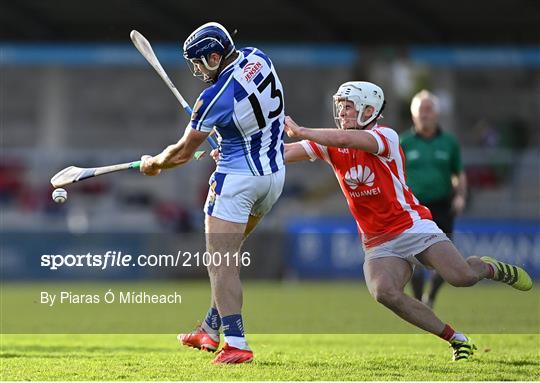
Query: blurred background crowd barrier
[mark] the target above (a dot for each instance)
(88, 101)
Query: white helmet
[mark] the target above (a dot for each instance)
(362, 94)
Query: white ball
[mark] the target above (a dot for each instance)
(59, 195)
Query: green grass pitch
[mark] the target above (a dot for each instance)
(277, 357)
(402, 355)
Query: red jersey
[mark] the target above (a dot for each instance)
(374, 185)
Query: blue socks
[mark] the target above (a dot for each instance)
(233, 329)
(212, 321)
(233, 326)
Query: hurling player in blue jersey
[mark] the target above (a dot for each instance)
(244, 104)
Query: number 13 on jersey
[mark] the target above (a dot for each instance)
(275, 93)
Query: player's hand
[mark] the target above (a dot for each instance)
(215, 154)
(148, 166)
(292, 129)
(458, 204)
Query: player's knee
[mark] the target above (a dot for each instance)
(388, 296)
(214, 270)
(221, 270)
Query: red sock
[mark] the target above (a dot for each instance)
(447, 333)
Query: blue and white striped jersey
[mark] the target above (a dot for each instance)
(246, 107)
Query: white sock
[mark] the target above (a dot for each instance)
(214, 334)
(237, 342)
(459, 336)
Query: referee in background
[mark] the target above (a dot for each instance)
(435, 174)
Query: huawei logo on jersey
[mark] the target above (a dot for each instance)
(359, 175)
(251, 69)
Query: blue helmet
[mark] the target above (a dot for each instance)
(208, 38)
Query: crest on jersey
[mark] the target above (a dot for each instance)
(359, 175)
(196, 108)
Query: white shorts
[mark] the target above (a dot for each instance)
(234, 197)
(409, 244)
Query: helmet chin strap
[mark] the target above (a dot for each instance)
(203, 59)
(374, 117)
(215, 68)
(363, 124)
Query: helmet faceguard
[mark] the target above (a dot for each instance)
(207, 39)
(210, 76)
(361, 94)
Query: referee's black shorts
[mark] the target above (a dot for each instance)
(442, 214)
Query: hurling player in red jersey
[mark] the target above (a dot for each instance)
(397, 231)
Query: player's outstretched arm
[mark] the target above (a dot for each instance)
(175, 154)
(337, 138)
(295, 152)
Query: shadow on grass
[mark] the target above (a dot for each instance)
(11, 355)
(519, 363)
(36, 350)
(269, 363)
